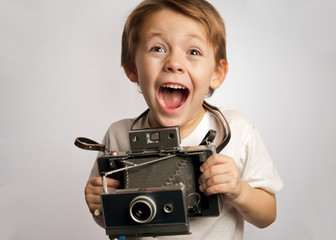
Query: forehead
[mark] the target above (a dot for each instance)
(171, 23)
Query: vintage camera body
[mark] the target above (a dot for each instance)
(159, 189)
(145, 212)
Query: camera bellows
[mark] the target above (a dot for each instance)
(165, 173)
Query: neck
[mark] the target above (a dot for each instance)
(185, 128)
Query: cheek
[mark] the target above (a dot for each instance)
(145, 68)
(142, 73)
(203, 81)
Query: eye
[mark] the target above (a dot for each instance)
(194, 52)
(158, 49)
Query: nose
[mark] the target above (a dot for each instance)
(174, 63)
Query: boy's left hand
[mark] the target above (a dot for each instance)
(220, 174)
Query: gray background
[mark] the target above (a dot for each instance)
(60, 78)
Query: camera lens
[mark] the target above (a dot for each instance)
(142, 209)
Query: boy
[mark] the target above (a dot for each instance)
(176, 52)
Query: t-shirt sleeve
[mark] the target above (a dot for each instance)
(259, 169)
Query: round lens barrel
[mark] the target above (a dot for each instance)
(142, 209)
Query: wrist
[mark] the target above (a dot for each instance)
(241, 198)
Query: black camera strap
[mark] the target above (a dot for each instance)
(88, 144)
(224, 124)
(210, 136)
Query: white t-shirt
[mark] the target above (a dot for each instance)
(245, 146)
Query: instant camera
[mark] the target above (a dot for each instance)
(158, 190)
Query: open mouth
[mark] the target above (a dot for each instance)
(172, 96)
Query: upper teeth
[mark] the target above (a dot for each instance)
(175, 86)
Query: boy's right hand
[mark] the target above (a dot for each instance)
(94, 188)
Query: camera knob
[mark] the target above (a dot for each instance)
(168, 208)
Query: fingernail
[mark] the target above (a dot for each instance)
(201, 169)
(201, 188)
(96, 212)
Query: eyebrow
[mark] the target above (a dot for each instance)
(190, 35)
(197, 37)
(154, 34)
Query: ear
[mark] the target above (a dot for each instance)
(219, 75)
(131, 73)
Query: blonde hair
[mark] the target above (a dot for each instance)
(199, 10)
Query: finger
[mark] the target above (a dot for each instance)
(112, 183)
(94, 186)
(230, 189)
(214, 159)
(226, 184)
(213, 171)
(95, 190)
(95, 182)
(215, 180)
(98, 181)
(94, 207)
(91, 190)
(219, 188)
(92, 199)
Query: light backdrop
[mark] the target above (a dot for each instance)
(60, 77)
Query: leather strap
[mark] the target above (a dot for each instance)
(88, 144)
(226, 129)
(209, 137)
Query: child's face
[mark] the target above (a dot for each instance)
(175, 66)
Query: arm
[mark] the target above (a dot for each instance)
(220, 175)
(93, 189)
(257, 206)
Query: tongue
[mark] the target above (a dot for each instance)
(172, 97)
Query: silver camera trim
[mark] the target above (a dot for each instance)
(147, 201)
(154, 138)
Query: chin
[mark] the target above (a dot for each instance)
(169, 122)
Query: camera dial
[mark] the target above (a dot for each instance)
(142, 209)
(168, 208)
